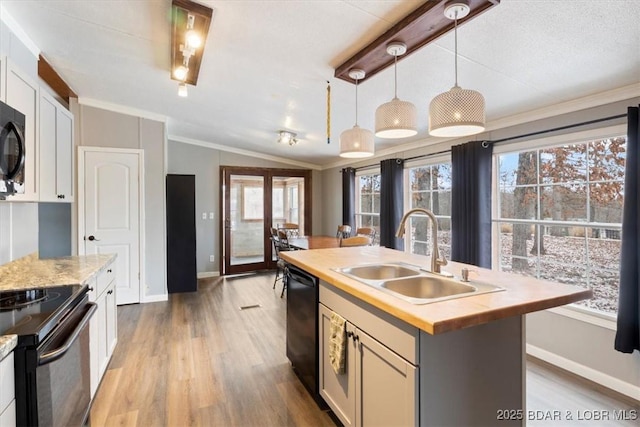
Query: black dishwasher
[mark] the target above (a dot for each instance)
(302, 328)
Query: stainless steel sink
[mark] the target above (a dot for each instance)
(427, 287)
(380, 272)
(411, 284)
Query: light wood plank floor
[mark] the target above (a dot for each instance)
(198, 360)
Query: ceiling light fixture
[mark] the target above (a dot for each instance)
(286, 137)
(356, 142)
(190, 27)
(458, 112)
(396, 118)
(182, 90)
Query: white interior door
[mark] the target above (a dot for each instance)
(111, 195)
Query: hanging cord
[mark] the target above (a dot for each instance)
(328, 112)
(455, 31)
(356, 102)
(395, 74)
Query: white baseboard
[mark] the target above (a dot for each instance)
(155, 298)
(205, 274)
(598, 377)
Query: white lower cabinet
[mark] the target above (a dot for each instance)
(7, 393)
(378, 387)
(104, 333)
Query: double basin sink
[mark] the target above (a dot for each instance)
(414, 285)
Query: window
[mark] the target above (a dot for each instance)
(559, 215)
(429, 187)
(368, 201)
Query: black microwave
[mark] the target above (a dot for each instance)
(12, 151)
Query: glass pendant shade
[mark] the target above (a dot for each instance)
(396, 119)
(458, 112)
(356, 143)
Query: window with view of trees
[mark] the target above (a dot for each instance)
(429, 188)
(368, 202)
(560, 214)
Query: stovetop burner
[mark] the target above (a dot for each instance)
(20, 299)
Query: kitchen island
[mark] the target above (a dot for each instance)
(454, 362)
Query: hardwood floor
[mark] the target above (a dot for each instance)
(199, 360)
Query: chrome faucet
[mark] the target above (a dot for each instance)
(436, 261)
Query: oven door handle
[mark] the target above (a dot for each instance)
(53, 355)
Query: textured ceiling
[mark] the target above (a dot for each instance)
(267, 62)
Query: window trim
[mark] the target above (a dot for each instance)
(573, 311)
(374, 170)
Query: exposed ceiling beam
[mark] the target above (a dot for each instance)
(420, 27)
(47, 73)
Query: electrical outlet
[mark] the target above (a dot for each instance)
(204, 215)
(210, 215)
(212, 258)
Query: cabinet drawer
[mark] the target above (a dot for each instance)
(7, 392)
(105, 278)
(397, 335)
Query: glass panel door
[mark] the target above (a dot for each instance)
(244, 223)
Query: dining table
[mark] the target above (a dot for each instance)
(314, 242)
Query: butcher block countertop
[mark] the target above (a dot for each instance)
(521, 295)
(30, 272)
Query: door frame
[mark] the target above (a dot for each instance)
(267, 174)
(141, 212)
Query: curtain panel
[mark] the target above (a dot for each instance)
(349, 197)
(471, 203)
(391, 202)
(628, 330)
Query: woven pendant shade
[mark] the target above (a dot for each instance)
(356, 143)
(396, 119)
(458, 112)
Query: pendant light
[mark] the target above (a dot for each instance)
(356, 142)
(396, 118)
(458, 112)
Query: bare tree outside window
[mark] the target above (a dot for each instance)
(560, 214)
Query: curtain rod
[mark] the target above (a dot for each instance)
(486, 143)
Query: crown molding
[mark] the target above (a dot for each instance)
(117, 108)
(438, 144)
(17, 30)
(243, 152)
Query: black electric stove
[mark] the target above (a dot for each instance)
(52, 366)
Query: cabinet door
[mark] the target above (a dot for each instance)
(387, 385)
(56, 151)
(8, 417)
(21, 92)
(338, 390)
(101, 335)
(47, 130)
(64, 154)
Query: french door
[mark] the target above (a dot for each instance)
(252, 201)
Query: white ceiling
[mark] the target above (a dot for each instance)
(266, 63)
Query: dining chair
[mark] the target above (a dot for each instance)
(355, 241)
(292, 230)
(344, 231)
(280, 244)
(367, 231)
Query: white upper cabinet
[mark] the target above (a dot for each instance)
(56, 151)
(22, 92)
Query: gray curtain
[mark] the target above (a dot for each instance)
(349, 197)
(628, 331)
(471, 204)
(391, 202)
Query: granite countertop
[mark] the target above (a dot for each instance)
(7, 344)
(31, 272)
(521, 295)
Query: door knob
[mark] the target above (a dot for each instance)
(92, 238)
